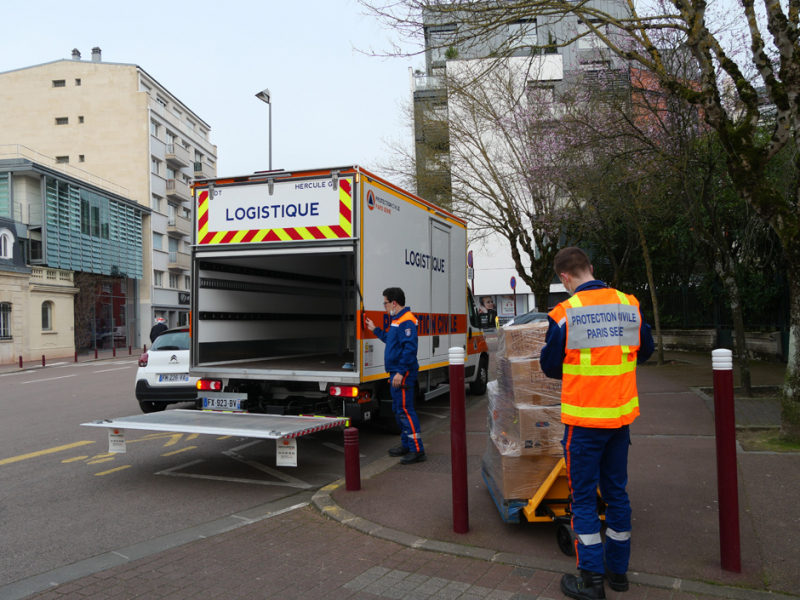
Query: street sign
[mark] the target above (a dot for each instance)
(513, 283)
(470, 273)
(469, 260)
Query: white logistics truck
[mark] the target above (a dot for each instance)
(285, 266)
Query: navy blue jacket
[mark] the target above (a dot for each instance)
(555, 349)
(401, 344)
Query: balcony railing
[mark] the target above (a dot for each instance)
(427, 82)
(178, 190)
(179, 225)
(179, 260)
(177, 156)
(204, 171)
(52, 276)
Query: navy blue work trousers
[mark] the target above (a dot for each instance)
(404, 412)
(595, 457)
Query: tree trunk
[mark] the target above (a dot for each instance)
(652, 284)
(727, 274)
(542, 297)
(790, 401)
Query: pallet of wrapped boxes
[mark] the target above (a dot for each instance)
(525, 429)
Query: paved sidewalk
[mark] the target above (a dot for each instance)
(103, 355)
(394, 539)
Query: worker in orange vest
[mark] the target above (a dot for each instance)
(595, 340)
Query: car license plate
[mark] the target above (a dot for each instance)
(222, 403)
(173, 377)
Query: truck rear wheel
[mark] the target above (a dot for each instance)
(478, 387)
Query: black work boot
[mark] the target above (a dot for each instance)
(618, 583)
(398, 451)
(587, 586)
(413, 457)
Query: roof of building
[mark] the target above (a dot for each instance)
(116, 64)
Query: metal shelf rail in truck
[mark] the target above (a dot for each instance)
(285, 266)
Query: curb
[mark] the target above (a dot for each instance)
(69, 363)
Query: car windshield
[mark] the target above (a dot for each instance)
(176, 340)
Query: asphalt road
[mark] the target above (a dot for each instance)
(63, 498)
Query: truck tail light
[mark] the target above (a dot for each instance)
(345, 391)
(211, 385)
(143, 360)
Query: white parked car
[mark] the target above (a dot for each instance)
(163, 374)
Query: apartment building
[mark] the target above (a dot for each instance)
(116, 121)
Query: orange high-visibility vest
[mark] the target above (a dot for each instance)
(599, 370)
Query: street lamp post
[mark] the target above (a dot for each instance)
(264, 96)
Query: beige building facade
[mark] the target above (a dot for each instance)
(117, 122)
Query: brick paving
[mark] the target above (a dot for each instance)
(302, 555)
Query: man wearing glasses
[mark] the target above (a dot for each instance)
(400, 360)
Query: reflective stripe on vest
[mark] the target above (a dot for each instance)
(600, 413)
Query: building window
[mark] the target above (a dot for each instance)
(189, 124)
(62, 120)
(156, 206)
(62, 160)
(158, 243)
(80, 120)
(6, 244)
(186, 213)
(177, 113)
(187, 282)
(155, 166)
(158, 278)
(154, 127)
(203, 133)
(59, 82)
(590, 41)
(523, 32)
(47, 316)
(170, 137)
(161, 101)
(173, 281)
(77, 82)
(5, 321)
(170, 173)
(81, 158)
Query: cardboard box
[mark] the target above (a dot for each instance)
(523, 380)
(517, 477)
(540, 430)
(522, 341)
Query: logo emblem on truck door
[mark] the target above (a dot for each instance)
(370, 200)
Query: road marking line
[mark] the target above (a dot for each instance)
(107, 370)
(338, 448)
(179, 451)
(112, 470)
(174, 439)
(48, 379)
(69, 460)
(57, 364)
(224, 437)
(292, 481)
(103, 455)
(235, 480)
(192, 436)
(13, 459)
(100, 460)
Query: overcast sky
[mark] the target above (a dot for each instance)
(332, 106)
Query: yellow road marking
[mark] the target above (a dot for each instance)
(179, 451)
(151, 436)
(69, 460)
(224, 437)
(192, 436)
(174, 439)
(13, 459)
(104, 455)
(94, 462)
(111, 471)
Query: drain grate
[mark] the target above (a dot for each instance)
(441, 463)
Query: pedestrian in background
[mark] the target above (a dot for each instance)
(400, 361)
(159, 328)
(594, 342)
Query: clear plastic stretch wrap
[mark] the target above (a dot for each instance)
(525, 428)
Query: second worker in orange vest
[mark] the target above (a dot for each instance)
(595, 340)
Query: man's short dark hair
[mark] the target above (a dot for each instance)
(571, 260)
(395, 295)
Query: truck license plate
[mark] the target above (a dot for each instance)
(222, 403)
(174, 377)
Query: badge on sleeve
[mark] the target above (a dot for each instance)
(408, 332)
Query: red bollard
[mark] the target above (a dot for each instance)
(727, 478)
(114, 351)
(144, 349)
(458, 440)
(42, 359)
(76, 356)
(130, 349)
(352, 460)
(95, 353)
(20, 362)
